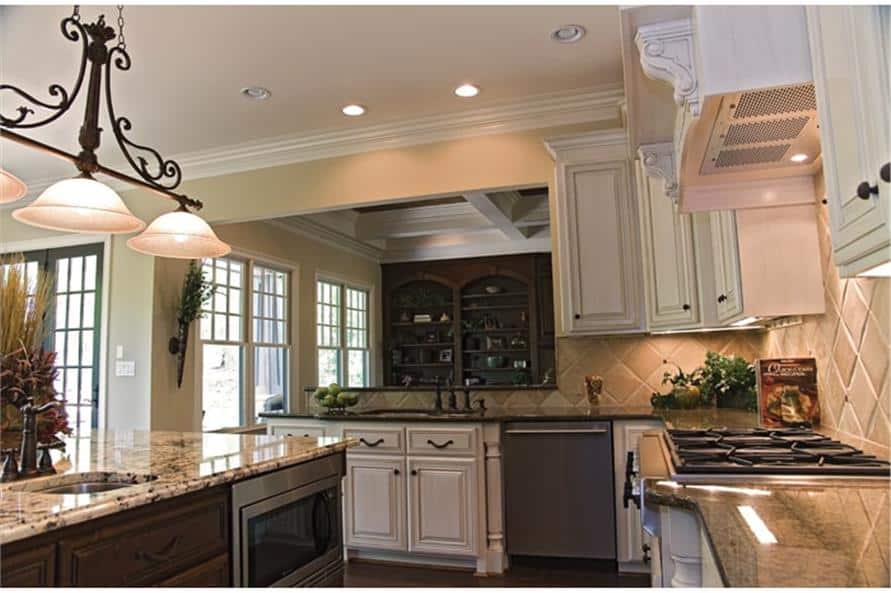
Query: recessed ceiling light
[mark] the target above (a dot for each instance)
(467, 90)
(256, 92)
(568, 33)
(353, 110)
(798, 158)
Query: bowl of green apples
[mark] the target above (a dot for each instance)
(334, 399)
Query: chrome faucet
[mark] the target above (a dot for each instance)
(437, 402)
(28, 452)
(453, 401)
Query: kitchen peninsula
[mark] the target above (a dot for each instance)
(164, 517)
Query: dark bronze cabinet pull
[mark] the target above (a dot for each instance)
(885, 172)
(414, 472)
(160, 556)
(442, 446)
(686, 307)
(866, 191)
(367, 444)
(396, 471)
(722, 298)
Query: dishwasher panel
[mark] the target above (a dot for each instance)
(558, 492)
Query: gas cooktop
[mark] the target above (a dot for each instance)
(757, 451)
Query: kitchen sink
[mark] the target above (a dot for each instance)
(83, 483)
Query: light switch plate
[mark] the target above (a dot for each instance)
(125, 368)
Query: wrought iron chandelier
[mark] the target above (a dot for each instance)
(82, 204)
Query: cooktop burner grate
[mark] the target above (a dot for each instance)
(768, 451)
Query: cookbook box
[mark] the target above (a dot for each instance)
(787, 392)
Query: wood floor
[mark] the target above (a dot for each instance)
(525, 572)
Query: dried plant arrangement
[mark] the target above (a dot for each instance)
(197, 291)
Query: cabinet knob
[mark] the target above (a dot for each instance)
(722, 298)
(686, 307)
(396, 471)
(414, 472)
(865, 190)
(885, 172)
(577, 316)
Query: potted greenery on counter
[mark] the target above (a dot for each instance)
(725, 381)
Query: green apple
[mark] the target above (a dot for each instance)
(334, 389)
(329, 400)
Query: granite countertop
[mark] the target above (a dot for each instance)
(828, 534)
(182, 462)
(709, 417)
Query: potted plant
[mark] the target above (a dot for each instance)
(686, 390)
(729, 382)
(27, 370)
(197, 290)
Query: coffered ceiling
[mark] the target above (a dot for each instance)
(473, 224)
(190, 62)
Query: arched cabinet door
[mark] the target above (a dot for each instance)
(497, 330)
(420, 331)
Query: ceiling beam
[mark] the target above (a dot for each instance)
(423, 220)
(500, 219)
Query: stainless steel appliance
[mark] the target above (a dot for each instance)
(558, 493)
(286, 528)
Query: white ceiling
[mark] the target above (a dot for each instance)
(189, 63)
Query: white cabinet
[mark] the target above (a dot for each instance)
(629, 534)
(850, 54)
(725, 263)
(375, 502)
(297, 430)
(442, 505)
(669, 258)
(598, 234)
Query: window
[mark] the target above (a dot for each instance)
(72, 327)
(244, 372)
(342, 334)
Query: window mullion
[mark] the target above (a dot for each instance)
(247, 292)
(344, 359)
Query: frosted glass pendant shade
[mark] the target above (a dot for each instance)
(181, 235)
(11, 187)
(80, 205)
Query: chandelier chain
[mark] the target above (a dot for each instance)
(75, 14)
(122, 43)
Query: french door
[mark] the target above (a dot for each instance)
(73, 326)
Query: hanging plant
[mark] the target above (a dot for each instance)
(197, 291)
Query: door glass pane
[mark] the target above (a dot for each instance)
(270, 379)
(288, 537)
(358, 368)
(75, 279)
(221, 386)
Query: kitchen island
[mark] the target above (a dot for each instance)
(171, 522)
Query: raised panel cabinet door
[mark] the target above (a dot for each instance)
(442, 506)
(35, 567)
(599, 248)
(849, 53)
(629, 533)
(374, 502)
(669, 258)
(725, 258)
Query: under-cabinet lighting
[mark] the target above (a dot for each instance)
(881, 271)
(716, 488)
(745, 321)
(705, 330)
(756, 525)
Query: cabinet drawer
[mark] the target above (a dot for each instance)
(376, 440)
(442, 441)
(213, 573)
(299, 431)
(145, 546)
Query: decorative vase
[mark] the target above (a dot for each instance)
(178, 346)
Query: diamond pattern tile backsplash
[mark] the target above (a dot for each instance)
(850, 343)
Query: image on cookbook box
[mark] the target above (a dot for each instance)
(787, 392)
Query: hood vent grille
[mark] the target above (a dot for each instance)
(776, 101)
(761, 129)
(751, 156)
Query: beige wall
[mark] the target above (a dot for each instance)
(177, 409)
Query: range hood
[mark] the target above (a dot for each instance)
(746, 133)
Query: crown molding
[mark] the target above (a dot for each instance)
(667, 54)
(542, 111)
(658, 161)
(561, 146)
(305, 228)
